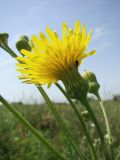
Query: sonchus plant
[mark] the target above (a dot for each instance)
(45, 60)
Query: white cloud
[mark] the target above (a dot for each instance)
(104, 45)
(36, 7)
(98, 32)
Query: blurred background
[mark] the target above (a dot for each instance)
(32, 16)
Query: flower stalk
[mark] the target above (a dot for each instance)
(107, 126)
(106, 120)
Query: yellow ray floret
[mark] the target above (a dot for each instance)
(51, 57)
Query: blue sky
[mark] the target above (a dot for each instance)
(32, 16)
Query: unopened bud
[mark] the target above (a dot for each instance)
(23, 43)
(4, 39)
(92, 82)
(24, 37)
(31, 44)
(4, 44)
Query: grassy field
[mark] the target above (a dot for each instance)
(16, 143)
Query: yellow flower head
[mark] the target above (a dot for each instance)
(52, 57)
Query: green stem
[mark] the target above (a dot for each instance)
(89, 109)
(12, 53)
(60, 121)
(9, 50)
(35, 132)
(107, 125)
(93, 117)
(106, 122)
(89, 140)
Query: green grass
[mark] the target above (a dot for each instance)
(16, 143)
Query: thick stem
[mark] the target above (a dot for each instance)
(86, 132)
(61, 122)
(35, 132)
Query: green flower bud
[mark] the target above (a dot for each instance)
(31, 44)
(4, 44)
(4, 40)
(24, 37)
(94, 87)
(92, 82)
(23, 43)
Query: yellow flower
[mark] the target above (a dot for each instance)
(52, 58)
